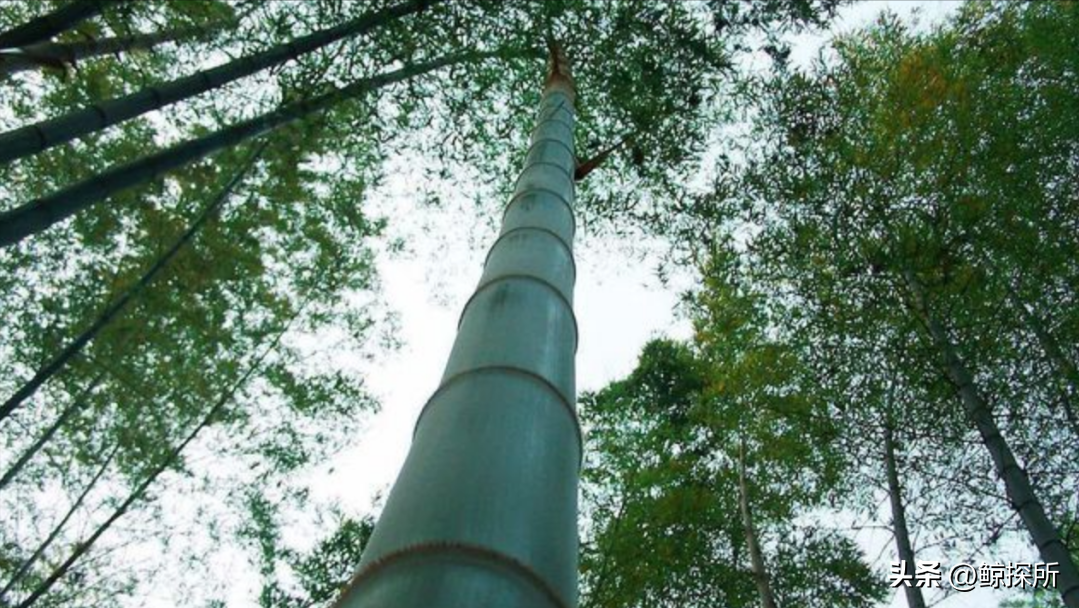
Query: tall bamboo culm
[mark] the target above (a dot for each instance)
(484, 511)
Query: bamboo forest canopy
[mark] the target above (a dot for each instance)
(892, 253)
(189, 276)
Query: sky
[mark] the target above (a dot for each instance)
(620, 305)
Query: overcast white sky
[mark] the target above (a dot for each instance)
(619, 307)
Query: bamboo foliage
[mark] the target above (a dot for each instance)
(213, 414)
(46, 134)
(911, 199)
(117, 307)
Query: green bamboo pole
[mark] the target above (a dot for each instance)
(39, 214)
(51, 24)
(484, 512)
(904, 546)
(43, 135)
(1017, 485)
(59, 54)
(759, 568)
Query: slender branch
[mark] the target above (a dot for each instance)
(23, 568)
(904, 548)
(76, 404)
(583, 169)
(756, 556)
